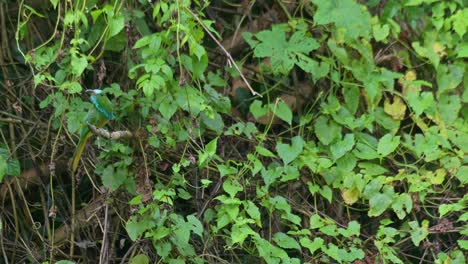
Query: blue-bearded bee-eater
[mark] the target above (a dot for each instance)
(98, 117)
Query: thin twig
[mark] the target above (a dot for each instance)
(231, 60)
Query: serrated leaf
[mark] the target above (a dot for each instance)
(350, 18)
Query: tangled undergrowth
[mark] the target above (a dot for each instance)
(309, 131)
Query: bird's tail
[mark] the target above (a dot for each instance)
(84, 136)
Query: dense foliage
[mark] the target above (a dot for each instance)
(261, 131)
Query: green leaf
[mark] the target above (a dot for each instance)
(387, 144)
(136, 228)
(264, 152)
(257, 109)
(78, 65)
(449, 77)
(140, 259)
(54, 3)
(113, 178)
(281, 110)
(315, 222)
(196, 225)
(326, 192)
(351, 19)
(283, 53)
(449, 106)
(312, 246)
(380, 201)
(462, 175)
(210, 151)
(463, 244)
(65, 262)
(340, 148)
(3, 167)
(351, 95)
(286, 241)
(116, 24)
(380, 32)
(288, 152)
(326, 130)
(418, 233)
(232, 187)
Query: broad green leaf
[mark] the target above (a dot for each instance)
(380, 32)
(288, 152)
(460, 21)
(116, 24)
(449, 77)
(282, 110)
(340, 148)
(402, 201)
(140, 259)
(351, 95)
(326, 130)
(312, 246)
(418, 233)
(286, 241)
(315, 222)
(113, 178)
(326, 192)
(462, 175)
(232, 187)
(463, 244)
(352, 230)
(136, 228)
(241, 232)
(387, 144)
(379, 202)
(349, 17)
(257, 109)
(78, 65)
(196, 225)
(449, 106)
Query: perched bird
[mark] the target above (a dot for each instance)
(98, 116)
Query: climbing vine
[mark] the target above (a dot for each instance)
(277, 131)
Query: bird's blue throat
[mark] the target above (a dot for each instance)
(107, 114)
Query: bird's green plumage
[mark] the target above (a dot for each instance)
(99, 116)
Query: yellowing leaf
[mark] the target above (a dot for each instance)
(350, 196)
(439, 49)
(397, 109)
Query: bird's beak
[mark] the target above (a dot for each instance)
(89, 91)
